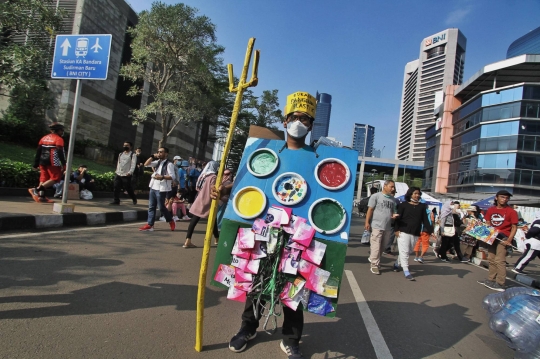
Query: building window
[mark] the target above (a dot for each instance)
(436, 51)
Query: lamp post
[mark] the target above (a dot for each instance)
(405, 169)
(382, 151)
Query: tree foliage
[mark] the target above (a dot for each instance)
(34, 23)
(175, 52)
(260, 111)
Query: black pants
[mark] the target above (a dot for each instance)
(91, 186)
(193, 223)
(527, 256)
(123, 182)
(445, 245)
(293, 322)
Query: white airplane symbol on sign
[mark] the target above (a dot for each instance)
(96, 47)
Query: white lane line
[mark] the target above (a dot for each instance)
(375, 335)
(67, 231)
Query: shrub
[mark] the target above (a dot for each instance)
(17, 174)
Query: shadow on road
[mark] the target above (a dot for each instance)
(33, 266)
(113, 297)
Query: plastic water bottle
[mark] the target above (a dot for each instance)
(494, 302)
(517, 321)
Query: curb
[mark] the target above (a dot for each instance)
(40, 221)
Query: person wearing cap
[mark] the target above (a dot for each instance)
(298, 122)
(83, 178)
(532, 245)
(504, 219)
(51, 161)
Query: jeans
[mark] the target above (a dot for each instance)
(157, 198)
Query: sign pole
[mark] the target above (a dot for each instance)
(242, 86)
(71, 145)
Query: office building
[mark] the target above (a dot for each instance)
(322, 116)
(363, 139)
(489, 136)
(527, 44)
(376, 153)
(441, 63)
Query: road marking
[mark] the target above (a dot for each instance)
(375, 335)
(67, 231)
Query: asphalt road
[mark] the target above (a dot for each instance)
(114, 292)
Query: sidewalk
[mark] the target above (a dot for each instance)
(22, 212)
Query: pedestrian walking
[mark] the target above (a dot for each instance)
(51, 162)
(468, 243)
(139, 169)
(450, 223)
(382, 208)
(126, 166)
(504, 219)
(201, 206)
(411, 218)
(422, 244)
(160, 185)
(532, 245)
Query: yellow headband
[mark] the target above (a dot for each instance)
(301, 102)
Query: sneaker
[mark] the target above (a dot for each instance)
(292, 351)
(114, 203)
(445, 260)
(34, 194)
(518, 271)
(416, 259)
(238, 343)
(410, 277)
(186, 218)
(388, 251)
(369, 259)
(176, 219)
(396, 268)
(495, 286)
(420, 260)
(375, 270)
(464, 260)
(173, 225)
(162, 219)
(482, 281)
(147, 228)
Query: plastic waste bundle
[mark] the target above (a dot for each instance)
(515, 317)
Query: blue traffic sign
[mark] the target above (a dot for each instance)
(81, 57)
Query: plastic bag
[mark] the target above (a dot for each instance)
(86, 194)
(319, 305)
(365, 237)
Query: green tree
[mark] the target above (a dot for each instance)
(28, 30)
(260, 111)
(175, 52)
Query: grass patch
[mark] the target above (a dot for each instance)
(27, 154)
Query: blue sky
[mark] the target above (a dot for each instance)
(357, 50)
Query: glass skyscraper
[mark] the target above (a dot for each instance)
(527, 44)
(322, 117)
(363, 139)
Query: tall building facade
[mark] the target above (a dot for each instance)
(322, 117)
(527, 44)
(441, 63)
(363, 139)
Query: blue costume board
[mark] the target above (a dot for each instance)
(302, 162)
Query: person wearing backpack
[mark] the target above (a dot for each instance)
(126, 166)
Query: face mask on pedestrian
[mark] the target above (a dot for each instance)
(297, 129)
(126, 148)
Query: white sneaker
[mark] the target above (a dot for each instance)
(162, 219)
(176, 219)
(186, 218)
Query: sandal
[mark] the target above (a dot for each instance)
(189, 246)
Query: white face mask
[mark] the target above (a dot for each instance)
(297, 129)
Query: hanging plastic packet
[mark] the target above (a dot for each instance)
(319, 305)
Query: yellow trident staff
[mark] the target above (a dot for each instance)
(242, 86)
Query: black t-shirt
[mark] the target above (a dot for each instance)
(411, 217)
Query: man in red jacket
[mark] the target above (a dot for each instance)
(51, 161)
